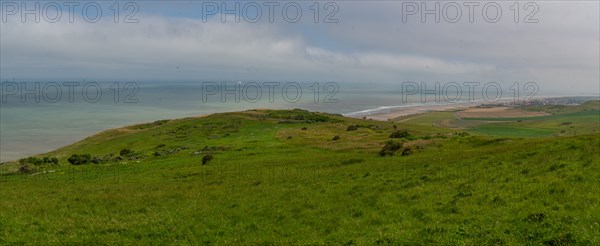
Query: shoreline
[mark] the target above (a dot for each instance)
(383, 113)
(395, 112)
(387, 113)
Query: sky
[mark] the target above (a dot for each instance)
(553, 43)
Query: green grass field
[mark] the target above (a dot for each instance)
(278, 177)
(565, 121)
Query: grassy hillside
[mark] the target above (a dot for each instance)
(279, 177)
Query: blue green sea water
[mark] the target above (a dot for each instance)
(30, 125)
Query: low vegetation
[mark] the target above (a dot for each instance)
(255, 177)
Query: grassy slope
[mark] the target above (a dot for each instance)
(265, 188)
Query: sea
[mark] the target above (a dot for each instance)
(38, 117)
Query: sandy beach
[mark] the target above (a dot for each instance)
(396, 112)
(385, 114)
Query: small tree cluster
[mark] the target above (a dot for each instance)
(168, 151)
(125, 152)
(390, 148)
(39, 161)
(24, 168)
(76, 159)
(400, 134)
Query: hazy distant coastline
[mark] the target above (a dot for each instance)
(33, 129)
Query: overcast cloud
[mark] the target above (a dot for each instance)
(369, 44)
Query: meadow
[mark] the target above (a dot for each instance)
(297, 177)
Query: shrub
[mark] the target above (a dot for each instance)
(80, 159)
(74, 159)
(96, 160)
(300, 115)
(207, 158)
(169, 151)
(407, 150)
(336, 138)
(395, 127)
(352, 128)
(400, 134)
(38, 161)
(31, 160)
(390, 148)
(214, 148)
(160, 146)
(125, 152)
(289, 137)
(304, 129)
(25, 169)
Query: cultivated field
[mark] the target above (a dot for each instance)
(498, 112)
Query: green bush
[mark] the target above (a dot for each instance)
(352, 128)
(24, 168)
(300, 115)
(80, 159)
(400, 134)
(390, 148)
(169, 151)
(207, 158)
(461, 134)
(52, 160)
(125, 152)
(407, 150)
(31, 160)
(96, 160)
(38, 161)
(336, 138)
